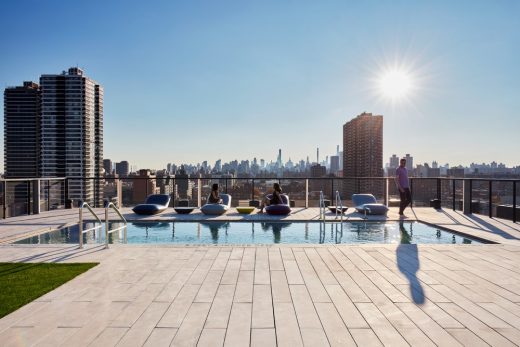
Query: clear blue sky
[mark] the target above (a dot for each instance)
(195, 80)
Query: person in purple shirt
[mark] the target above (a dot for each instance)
(401, 179)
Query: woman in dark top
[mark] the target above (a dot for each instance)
(214, 197)
(276, 198)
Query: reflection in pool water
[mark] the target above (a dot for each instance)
(260, 233)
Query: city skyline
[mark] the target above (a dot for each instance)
(290, 77)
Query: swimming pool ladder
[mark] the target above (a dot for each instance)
(339, 206)
(81, 231)
(109, 231)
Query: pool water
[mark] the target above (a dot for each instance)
(258, 233)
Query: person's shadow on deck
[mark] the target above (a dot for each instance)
(408, 263)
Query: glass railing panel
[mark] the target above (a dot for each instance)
(185, 192)
(424, 190)
(17, 196)
(317, 185)
(295, 188)
(374, 186)
(240, 190)
(480, 197)
(109, 188)
(55, 193)
(448, 193)
(502, 199)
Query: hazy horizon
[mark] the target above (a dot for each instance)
(230, 80)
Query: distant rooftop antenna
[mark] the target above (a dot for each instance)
(318, 155)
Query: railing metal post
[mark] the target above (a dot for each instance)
(253, 189)
(470, 196)
(4, 198)
(490, 200)
(119, 192)
(411, 192)
(36, 196)
(199, 192)
(438, 188)
(66, 189)
(306, 193)
(225, 183)
(358, 186)
(453, 185)
(386, 191)
(28, 197)
(48, 195)
(80, 226)
(146, 187)
(106, 225)
(331, 190)
(514, 201)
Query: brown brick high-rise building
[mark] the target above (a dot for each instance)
(363, 154)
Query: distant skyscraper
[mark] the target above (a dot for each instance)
(394, 161)
(393, 164)
(107, 165)
(363, 151)
(218, 165)
(334, 164)
(409, 163)
(22, 131)
(123, 169)
(318, 171)
(279, 159)
(72, 131)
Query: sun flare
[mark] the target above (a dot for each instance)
(395, 84)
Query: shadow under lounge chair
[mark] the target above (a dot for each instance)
(217, 209)
(367, 204)
(279, 209)
(154, 204)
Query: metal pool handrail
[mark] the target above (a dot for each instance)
(107, 230)
(81, 231)
(322, 205)
(339, 205)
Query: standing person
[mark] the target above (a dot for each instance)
(275, 198)
(401, 179)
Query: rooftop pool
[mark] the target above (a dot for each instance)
(230, 233)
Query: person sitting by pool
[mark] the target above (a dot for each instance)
(276, 198)
(214, 197)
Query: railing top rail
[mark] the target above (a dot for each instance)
(294, 178)
(33, 179)
(253, 178)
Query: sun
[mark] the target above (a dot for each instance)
(395, 84)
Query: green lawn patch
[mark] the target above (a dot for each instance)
(21, 283)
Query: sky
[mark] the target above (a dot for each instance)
(187, 81)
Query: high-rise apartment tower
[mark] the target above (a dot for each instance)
(72, 132)
(21, 131)
(363, 152)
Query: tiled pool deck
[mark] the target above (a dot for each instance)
(284, 295)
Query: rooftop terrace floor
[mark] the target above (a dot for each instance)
(285, 295)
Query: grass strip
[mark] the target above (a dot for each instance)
(21, 283)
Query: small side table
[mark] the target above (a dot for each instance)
(245, 209)
(184, 210)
